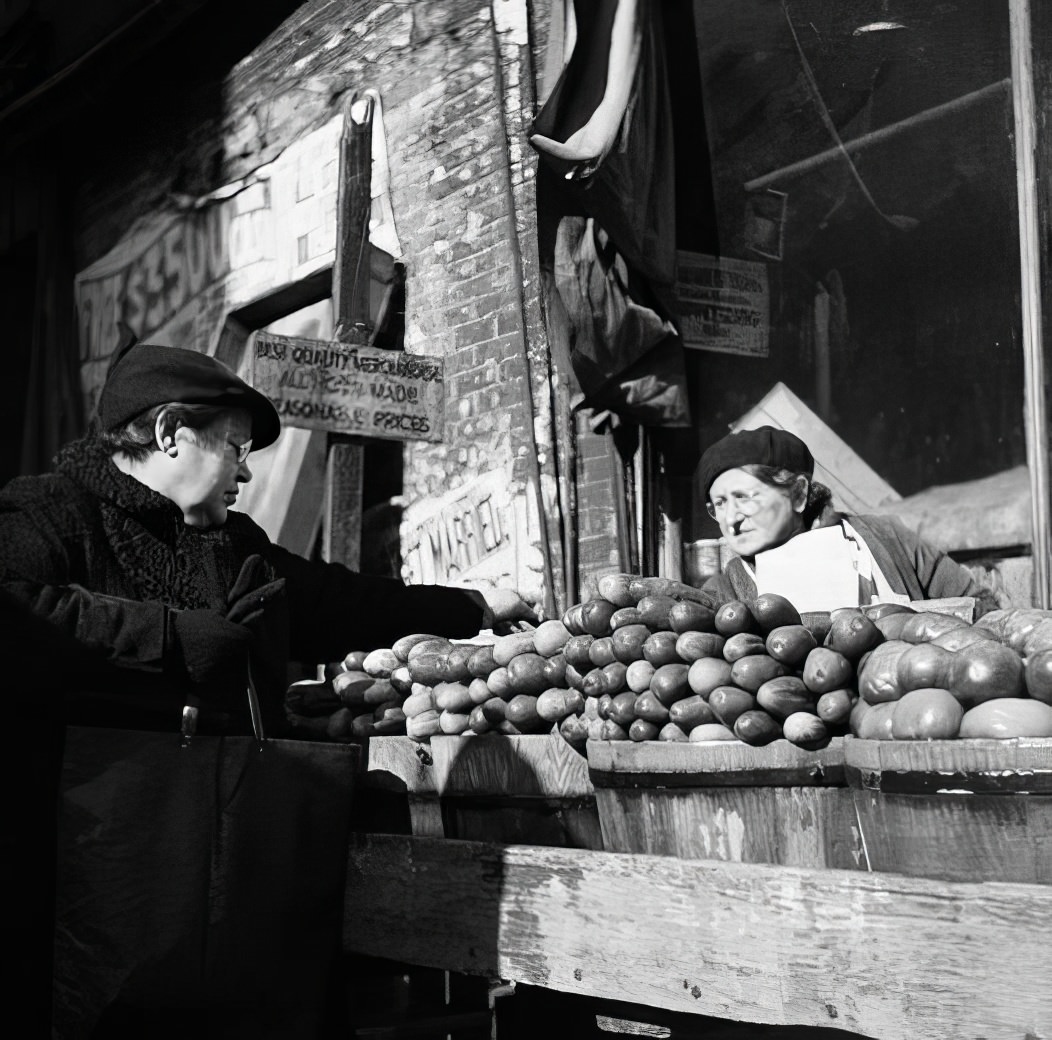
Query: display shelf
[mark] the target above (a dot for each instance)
(881, 955)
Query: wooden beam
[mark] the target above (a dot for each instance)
(879, 954)
(858, 144)
(342, 522)
(1035, 419)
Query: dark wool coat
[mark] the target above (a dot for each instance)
(911, 565)
(106, 560)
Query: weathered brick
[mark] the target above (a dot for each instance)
(439, 74)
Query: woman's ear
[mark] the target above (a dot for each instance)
(800, 491)
(165, 428)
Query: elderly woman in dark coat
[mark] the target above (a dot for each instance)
(131, 548)
(789, 539)
(132, 596)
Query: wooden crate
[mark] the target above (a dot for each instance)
(957, 810)
(726, 800)
(530, 789)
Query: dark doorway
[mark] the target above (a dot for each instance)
(18, 276)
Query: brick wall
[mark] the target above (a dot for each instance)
(461, 189)
(602, 507)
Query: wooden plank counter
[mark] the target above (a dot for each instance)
(881, 955)
(531, 789)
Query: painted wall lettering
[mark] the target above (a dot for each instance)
(167, 276)
(464, 535)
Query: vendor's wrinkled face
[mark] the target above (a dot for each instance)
(753, 516)
(208, 467)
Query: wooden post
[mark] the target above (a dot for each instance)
(342, 522)
(823, 390)
(1035, 417)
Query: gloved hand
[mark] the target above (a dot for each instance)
(214, 646)
(213, 649)
(249, 596)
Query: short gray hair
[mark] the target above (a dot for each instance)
(818, 495)
(135, 439)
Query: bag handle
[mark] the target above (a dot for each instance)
(191, 710)
(253, 708)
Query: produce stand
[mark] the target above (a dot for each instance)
(877, 954)
(718, 884)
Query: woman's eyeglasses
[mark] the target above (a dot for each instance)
(241, 450)
(739, 502)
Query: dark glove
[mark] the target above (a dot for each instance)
(213, 649)
(249, 596)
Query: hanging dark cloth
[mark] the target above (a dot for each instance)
(606, 129)
(54, 402)
(626, 356)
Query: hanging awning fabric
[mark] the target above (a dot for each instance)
(626, 356)
(606, 129)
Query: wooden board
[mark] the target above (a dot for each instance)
(957, 837)
(882, 955)
(955, 809)
(933, 766)
(717, 763)
(399, 761)
(534, 764)
(350, 388)
(531, 789)
(795, 826)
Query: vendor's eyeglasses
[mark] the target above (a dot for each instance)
(739, 502)
(241, 450)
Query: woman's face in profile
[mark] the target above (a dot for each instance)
(210, 470)
(753, 516)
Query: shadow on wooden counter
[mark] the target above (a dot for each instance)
(517, 790)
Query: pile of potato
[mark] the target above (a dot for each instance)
(655, 659)
(363, 696)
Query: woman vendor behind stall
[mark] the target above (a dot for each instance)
(790, 540)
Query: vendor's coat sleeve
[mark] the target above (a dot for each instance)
(916, 567)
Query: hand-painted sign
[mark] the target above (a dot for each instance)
(480, 534)
(178, 272)
(322, 385)
(723, 304)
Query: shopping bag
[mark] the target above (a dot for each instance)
(202, 874)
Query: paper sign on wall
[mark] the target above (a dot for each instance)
(723, 304)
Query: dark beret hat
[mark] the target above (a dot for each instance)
(764, 446)
(143, 375)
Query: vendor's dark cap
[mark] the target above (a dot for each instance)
(143, 375)
(764, 446)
